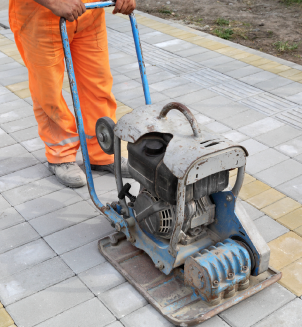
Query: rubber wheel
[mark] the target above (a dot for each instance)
(105, 135)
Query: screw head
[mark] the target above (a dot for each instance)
(215, 283)
(230, 275)
(229, 198)
(245, 267)
(118, 227)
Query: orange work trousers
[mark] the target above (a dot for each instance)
(38, 39)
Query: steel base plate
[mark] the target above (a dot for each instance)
(168, 294)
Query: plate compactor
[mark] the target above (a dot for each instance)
(179, 242)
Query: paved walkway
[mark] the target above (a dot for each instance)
(51, 273)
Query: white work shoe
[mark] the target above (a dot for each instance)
(69, 174)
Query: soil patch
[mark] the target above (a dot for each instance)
(271, 26)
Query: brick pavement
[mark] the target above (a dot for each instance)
(51, 273)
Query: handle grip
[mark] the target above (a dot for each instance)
(99, 4)
(185, 111)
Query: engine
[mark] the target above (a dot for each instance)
(155, 206)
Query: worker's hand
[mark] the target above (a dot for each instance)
(124, 7)
(69, 9)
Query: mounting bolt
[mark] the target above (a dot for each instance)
(160, 265)
(229, 198)
(230, 275)
(215, 283)
(118, 227)
(244, 267)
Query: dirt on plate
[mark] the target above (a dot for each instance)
(271, 26)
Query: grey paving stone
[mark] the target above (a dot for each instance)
(33, 280)
(75, 236)
(8, 96)
(84, 257)
(297, 98)
(48, 203)
(32, 190)
(102, 185)
(140, 101)
(280, 173)
(3, 204)
(235, 136)
(257, 78)
(4, 90)
(244, 71)
(273, 83)
(124, 86)
(33, 144)
(182, 90)
(5, 139)
(278, 136)
(115, 63)
(196, 96)
(6, 60)
(212, 63)
(216, 321)
(25, 134)
(217, 127)
(263, 160)
(40, 155)
(287, 316)
(23, 176)
(147, 317)
(207, 77)
(202, 119)
(49, 302)
(206, 55)
(287, 90)
(243, 118)
(102, 278)
(9, 66)
(15, 236)
(253, 146)
(261, 126)
(12, 115)
(115, 324)
(191, 52)
(231, 66)
(291, 148)
(247, 209)
(257, 307)
(292, 188)
(13, 72)
(12, 151)
(24, 257)
(269, 228)
(157, 77)
(9, 217)
(122, 300)
(131, 94)
(161, 38)
(120, 78)
(14, 79)
(168, 84)
(89, 314)
(14, 105)
(209, 106)
(20, 124)
(63, 218)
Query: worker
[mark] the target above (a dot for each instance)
(35, 24)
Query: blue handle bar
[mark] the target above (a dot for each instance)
(109, 212)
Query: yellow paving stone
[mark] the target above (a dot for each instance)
(5, 319)
(290, 72)
(123, 154)
(296, 78)
(215, 46)
(5, 41)
(67, 89)
(270, 65)
(292, 277)
(121, 111)
(242, 56)
(1, 306)
(194, 39)
(260, 62)
(233, 53)
(265, 198)
(187, 36)
(233, 172)
(18, 86)
(250, 59)
(285, 250)
(298, 231)
(281, 208)
(248, 179)
(279, 69)
(23, 93)
(251, 189)
(65, 84)
(124, 146)
(8, 47)
(119, 104)
(20, 61)
(292, 220)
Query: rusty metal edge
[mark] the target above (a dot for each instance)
(276, 275)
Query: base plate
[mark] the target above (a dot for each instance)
(167, 293)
